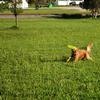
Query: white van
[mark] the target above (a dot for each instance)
(68, 2)
(77, 2)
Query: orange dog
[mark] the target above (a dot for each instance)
(78, 54)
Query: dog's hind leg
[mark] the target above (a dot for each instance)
(88, 57)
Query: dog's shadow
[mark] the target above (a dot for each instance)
(53, 59)
(9, 28)
(57, 58)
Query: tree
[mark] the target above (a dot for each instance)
(14, 6)
(93, 6)
(37, 4)
(3, 6)
(44, 1)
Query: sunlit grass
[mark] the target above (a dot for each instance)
(33, 59)
(44, 11)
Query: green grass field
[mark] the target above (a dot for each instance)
(45, 11)
(33, 59)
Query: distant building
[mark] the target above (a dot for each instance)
(23, 5)
(68, 2)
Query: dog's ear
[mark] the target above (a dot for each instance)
(90, 45)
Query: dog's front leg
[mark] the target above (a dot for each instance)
(68, 59)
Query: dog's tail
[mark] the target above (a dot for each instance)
(90, 45)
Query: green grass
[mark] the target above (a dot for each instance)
(53, 11)
(45, 11)
(32, 60)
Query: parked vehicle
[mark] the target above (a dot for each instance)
(73, 3)
(68, 2)
(77, 2)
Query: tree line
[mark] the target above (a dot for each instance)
(93, 6)
(42, 1)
